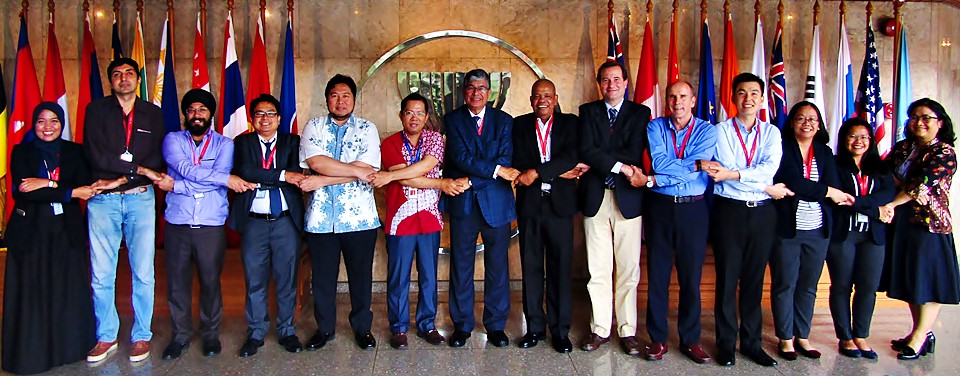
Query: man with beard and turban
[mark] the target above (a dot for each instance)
(198, 175)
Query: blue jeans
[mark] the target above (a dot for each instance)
(112, 217)
(400, 255)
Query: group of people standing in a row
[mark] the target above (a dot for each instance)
(784, 201)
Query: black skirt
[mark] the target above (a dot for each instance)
(920, 267)
(48, 317)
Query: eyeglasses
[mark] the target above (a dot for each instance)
(414, 113)
(862, 137)
(925, 118)
(266, 114)
(802, 120)
(479, 89)
(198, 111)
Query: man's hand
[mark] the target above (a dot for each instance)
(452, 187)
(32, 184)
(363, 172)
(150, 174)
(508, 173)
(312, 183)
(626, 170)
(778, 191)
(719, 173)
(638, 179)
(236, 184)
(380, 178)
(166, 183)
(106, 185)
(293, 177)
(527, 178)
(709, 165)
(83, 193)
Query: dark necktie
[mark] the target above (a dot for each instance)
(476, 119)
(610, 182)
(276, 206)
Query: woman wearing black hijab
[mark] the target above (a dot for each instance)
(47, 305)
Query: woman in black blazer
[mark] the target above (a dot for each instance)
(859, 236)
(803, 227)
(47, 304)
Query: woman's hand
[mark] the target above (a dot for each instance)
(84, 192)
(32, 184)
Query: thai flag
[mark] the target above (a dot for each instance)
(869, 105)
(903, 89)
(730, 69)
(54, 89)
(91, 85)
(201, 75)
(288, 86)
(233, 116)
(706, 93)
(615, 50)
(25, 97)
(165, 90)
(648, 89)
(759, 68)
(843, 106)
(778, 82)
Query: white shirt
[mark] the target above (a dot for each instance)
(261, 201)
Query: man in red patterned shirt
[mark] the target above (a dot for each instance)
(411, 161)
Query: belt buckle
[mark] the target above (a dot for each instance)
(194, 226)
(677, 199)
(753, 204)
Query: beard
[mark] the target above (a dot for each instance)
(197, 129)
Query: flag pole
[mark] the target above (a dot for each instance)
(116, 12)
(203, 16)
(170, 13)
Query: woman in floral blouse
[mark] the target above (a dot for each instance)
(921, 265)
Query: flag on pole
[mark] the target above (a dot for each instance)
(233, 117)
(843, 106)
(730, 69)
(116, 49)
(614, 49)
(201, 77)
(137, 55)
(288, 85)
(706, 95)
(91, 85)
(3, 120)
(165, 89)
(673, 63)
(869, 105)
(778, 82)
(259, 82)
(648, 90)
(759, 68)
(813, 91)
(54, 90)
(903, 89)
(25, 97)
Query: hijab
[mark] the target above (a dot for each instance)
(49, 150)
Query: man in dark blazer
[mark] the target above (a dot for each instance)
(269, 220)
(479, 148)
(545, 150)
(613, 142)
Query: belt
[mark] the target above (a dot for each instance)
(683, 199)
(131, 191)
(749, 204)
(269, 217)
(544, 193)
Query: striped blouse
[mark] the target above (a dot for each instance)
(809, 214)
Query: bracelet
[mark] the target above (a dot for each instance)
(699, 165)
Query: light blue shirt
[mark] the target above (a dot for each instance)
(766, 160)
(677, 176)
(199, 195)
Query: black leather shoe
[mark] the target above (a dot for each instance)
(250, 347)
(366, 341)
(291, 343)
(562, 345)
(531, 339)
(174, 350)
(726, 358)
(318, 340)
(760, 357)
(850, 353)
(459, 338)
(498, 338)
(211, 347)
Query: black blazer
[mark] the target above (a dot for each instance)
(563, 158)
(791, 174)
(25, 162)
(601, 149)
(882, 191)
(248, 165)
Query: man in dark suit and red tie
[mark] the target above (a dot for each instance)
(613, 142)
(479, 148)
(545, 149)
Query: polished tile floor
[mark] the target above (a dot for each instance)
(342, 357)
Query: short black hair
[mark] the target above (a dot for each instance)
(116, 63)
(611, 64)
(787, 133)
(946, 133)
(340, 79)
(871, 164)
(261, 99)
(415, 97)
(749, 77)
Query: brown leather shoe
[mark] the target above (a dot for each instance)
(399, 341)
(656, 351)
(101, 351)
(631, 345)
(432, 337)
(593, 342)
(696, 353)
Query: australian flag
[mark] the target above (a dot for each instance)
(868, 104)
(778, 82)
(615, 50)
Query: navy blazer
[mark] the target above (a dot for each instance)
(791, 174)
(476, 156)
(248, 165)
(881, 193)
(601, 149)
(563, 158)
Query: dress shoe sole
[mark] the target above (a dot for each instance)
(696, 359)
(105, 355)
(139, 358)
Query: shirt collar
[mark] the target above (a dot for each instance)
(350, 121)
(693, 120)
(616, 106)
(271, 140)
(541, 124)
(481, 114)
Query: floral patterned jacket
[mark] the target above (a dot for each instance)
(926, 170)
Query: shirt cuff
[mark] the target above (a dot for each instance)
(283, 176)
(616, 168)
(496, 170)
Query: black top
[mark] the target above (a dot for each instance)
(105, 139)
(881, 192)
(248, 165)
(791, 173)
(563, 158)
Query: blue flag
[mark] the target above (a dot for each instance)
(706, 94)
(288, 86)
(903, 95)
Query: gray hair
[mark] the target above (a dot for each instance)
(476, 75)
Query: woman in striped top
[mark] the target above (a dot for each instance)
(803, 227)
(859, 235)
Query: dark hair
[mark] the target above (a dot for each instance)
(611, 64)
(747, 77)
(787, 133)
(116, 63)
(340, 79)
(475, 75)
(415, 97)
(261, 99)
(871, 163)
(946, 133)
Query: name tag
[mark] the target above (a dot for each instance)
(261, 194)
(57, 208)
(862, 218)
(126, 156)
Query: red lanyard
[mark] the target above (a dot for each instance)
(196, 160)
(863, 182)
(808, 164)
(686, 138)
(55, 174)
(753, 151)
(543, 140)
(128, 126)
(268, 162)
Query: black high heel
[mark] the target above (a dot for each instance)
(932, 341)
(908, 353)
(899, 344)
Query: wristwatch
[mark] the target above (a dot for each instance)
(649, 182)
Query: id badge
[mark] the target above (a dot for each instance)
(57, 208)
(198, 195)
(126, 156)
(261, 194)
(862, 218)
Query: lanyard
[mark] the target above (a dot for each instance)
(414, 158)
(542, 139)
(808, 164)
(686, 138)
(267, 162)
(128, 126)
(863, 183)
(753, 151)
(53, 175)
(196, 160)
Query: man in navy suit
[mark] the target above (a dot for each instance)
(479, 148)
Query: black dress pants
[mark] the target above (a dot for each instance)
(357, 250)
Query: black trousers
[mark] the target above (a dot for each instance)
(795, 268)
(743, 238)
(270, 247)
(676, 234)
(357, 250)
(185, 246)
(546, 237)
(856, 261)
